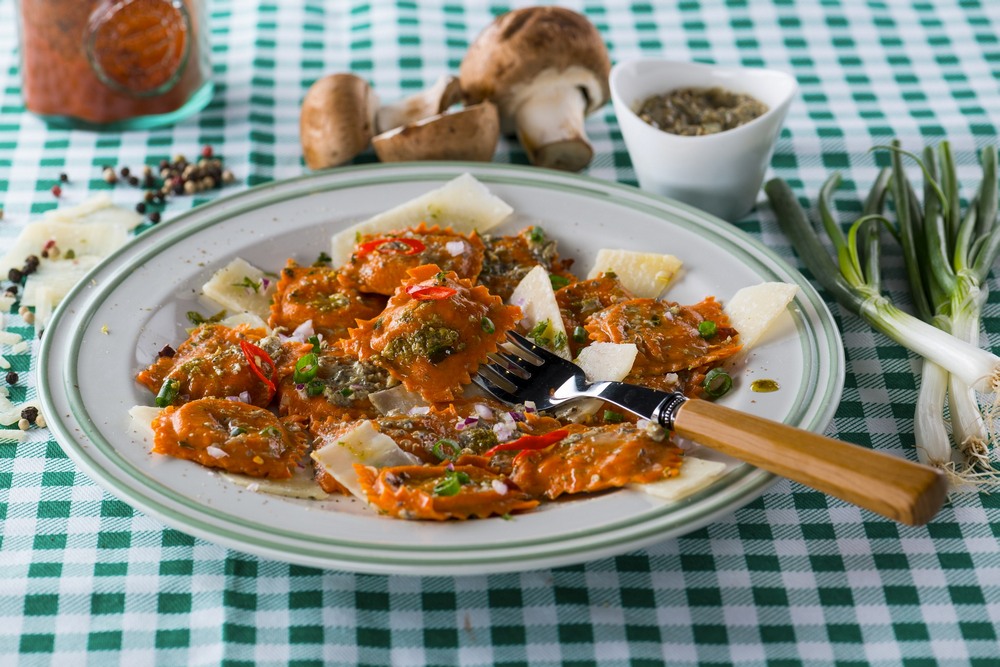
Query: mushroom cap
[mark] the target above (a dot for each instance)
(337, 120)
(468, 134)
(522, 43)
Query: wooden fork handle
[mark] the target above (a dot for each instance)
(888, 485)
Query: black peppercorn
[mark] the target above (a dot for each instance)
(133, 180)
(30, 413)
(11, 377)
(167, 351)
(63, 177)
(154, 217)
(15, 275)
(125, 172)
(140, 207)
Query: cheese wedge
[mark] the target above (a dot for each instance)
(363, 445)
(464, 204)
(241, 287)
(752, 310)
(534, 296)
(695, 475)
(647, 275)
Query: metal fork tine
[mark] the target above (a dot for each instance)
(493, 389)
(544, 356)
(515, 379)
(514, 362)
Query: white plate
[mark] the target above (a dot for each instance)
(114, 322)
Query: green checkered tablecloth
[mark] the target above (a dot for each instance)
(793, 578)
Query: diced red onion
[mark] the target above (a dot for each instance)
(419, 410)
(303, 332)
(516, 416)
(455, 248)
(499, 487)
(529, 407)
(483, 411)
(215, 452)
(245, 396)
(504, 430)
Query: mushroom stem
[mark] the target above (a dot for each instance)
(550, 127)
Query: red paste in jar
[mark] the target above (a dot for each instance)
(103, 61)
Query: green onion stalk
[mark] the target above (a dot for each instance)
(955, 252)
(854, 279)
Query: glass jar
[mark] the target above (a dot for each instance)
(114, 64)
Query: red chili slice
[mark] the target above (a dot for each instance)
(413, 246)
(529, 442)
(430, 292)
(255, 357)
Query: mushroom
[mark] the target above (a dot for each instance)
(435, 100)
(545, 68)
(337, 120)
(468, 134)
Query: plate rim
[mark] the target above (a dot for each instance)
(746, 483)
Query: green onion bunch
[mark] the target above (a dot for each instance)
(948, 254)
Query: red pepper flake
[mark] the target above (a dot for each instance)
(56, 191)
(413, 247)
(206, 151)
(257, 358)
(430, 292)
(532, 442)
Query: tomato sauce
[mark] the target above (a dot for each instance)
(230, 435)
(434, 345)
(461, 491)
(380, 263)
(578, 301)
(508, 259)
(101, 62)
(212, 363)
(314, 293)
(666, 334)
(595, 459)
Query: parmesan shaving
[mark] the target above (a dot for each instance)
(753, 310)
(534, 296)
(9, 338)
(645, 274)
(695, 475)
(241, 287)
(464, 204)
(363, 445)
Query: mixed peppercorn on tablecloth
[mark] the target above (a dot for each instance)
(792, 578)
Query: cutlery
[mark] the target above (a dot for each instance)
(893, 487)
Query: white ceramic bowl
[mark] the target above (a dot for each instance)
(719, 173)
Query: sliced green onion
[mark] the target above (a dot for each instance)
(559, 341)
(445, 448)
(168, 393)
(487, 325)
(346, 391)
(236, 430)
(612, 417)
(717, 383)
(451, 483)
(314, 341)
(580, 335)
(306, 368)
(558, 282)
(706, 328)
(315, 388)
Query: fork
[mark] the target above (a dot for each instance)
(888, 485)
